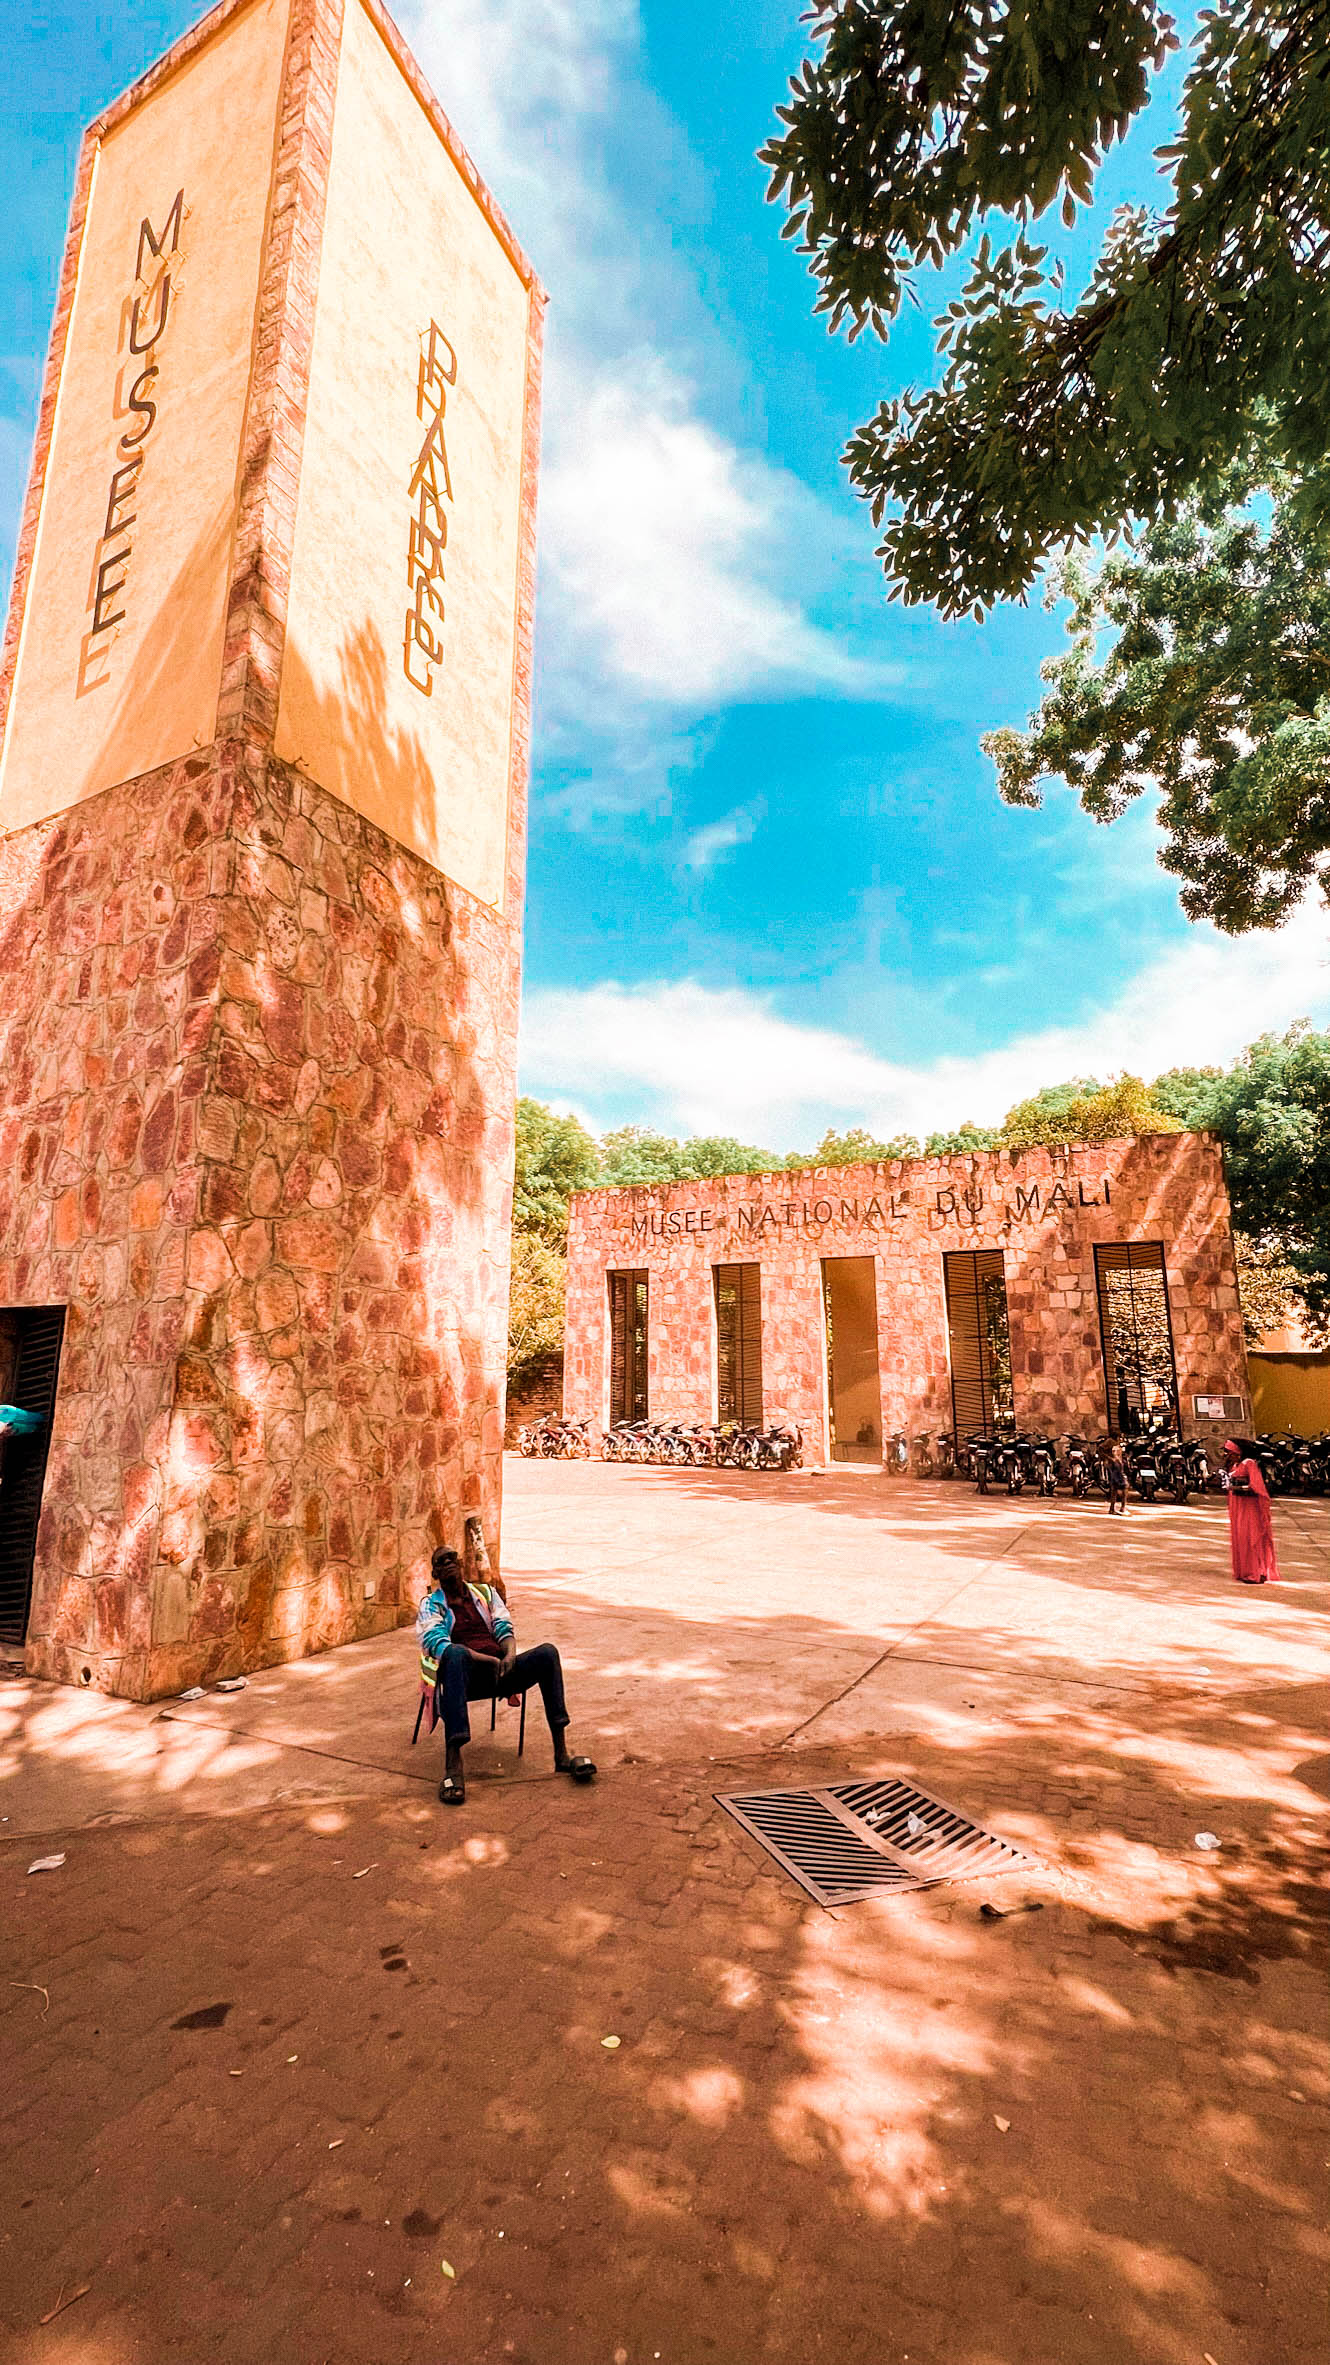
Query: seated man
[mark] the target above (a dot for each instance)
(468, 1652)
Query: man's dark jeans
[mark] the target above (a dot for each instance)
(467, 1675)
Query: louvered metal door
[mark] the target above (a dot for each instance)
(980, 1339)
(739, 1344)
(40, 1330)
(1135, 1326)
(628, 1346)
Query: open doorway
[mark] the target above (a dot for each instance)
(854, 1392)
(30, 1340)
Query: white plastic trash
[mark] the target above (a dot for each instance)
(1208, 1839)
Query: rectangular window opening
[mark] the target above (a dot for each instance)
(1135, 1326)
(628, 1346)
(854, 1390)
(739, 1344)
(979, 1338)
(30, 1342)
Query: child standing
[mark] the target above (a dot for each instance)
(1115, 1478)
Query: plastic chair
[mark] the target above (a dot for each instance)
(427, 1701)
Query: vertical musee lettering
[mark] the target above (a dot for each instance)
(431, 491)
(146, 312)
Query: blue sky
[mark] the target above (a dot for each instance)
(771, 884)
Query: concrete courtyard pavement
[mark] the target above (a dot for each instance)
(284, 2035)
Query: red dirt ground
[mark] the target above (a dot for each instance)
(794, 2151)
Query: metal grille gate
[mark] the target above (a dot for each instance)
(739, 1344)
(39, 1330)
(1136, 1328)
(980, 1337)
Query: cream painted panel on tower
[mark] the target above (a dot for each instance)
(397, 679)
(120, 658)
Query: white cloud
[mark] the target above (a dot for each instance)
(705, 847)
(667, 552)
(666, 549)
(695, 1060)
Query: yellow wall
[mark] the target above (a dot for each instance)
(84, 716)
(856, 1404)
(1290, 1392)
(405, 243)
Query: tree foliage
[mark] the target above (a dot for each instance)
(1267, 1287)
(633, 1154)
(858, 1147)
(964, 1142)
(1086, 1111)
(1272, 1112)
(555, 1156)
(535, 1303)
(1060, 417)
(1214, 691)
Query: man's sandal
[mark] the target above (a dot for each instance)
(452, 1789)
(582, 1769)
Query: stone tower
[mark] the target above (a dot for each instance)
(265, 702)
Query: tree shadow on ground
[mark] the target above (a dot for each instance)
(1070, 2137)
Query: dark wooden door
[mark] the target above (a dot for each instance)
(37, 1332)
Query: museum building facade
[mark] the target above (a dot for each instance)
(1079, 1289)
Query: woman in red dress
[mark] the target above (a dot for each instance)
(1250, 1533)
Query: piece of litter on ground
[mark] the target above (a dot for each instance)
(914, 1824)
(235, 2073)
(62, 2303)
(47, 1864)
(46, 2002)
(359, 1876)
(337, 2142)
(1207, 1839)
(195, 1692)
(290, 2058)
(1207, 2358)
(233, 1683)
(611, 2044)
(1002, 2125)
(999, 1913)
(1293, 2094)
(449, 2271)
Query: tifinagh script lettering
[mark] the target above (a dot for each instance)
(431, 489)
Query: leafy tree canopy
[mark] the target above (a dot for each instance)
(856, 1148)
(535, 1303)
(1058, 417)
(1185, 1093)
(1086, 1112)
(1214, 690)
(633, 1154)
(1272, 1112)
(555, 1156)
(966, 1140)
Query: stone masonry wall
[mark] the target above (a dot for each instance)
(1044, 1208)
(256, 1094)
(255, 1131)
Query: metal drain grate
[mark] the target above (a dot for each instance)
(868, 1839)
